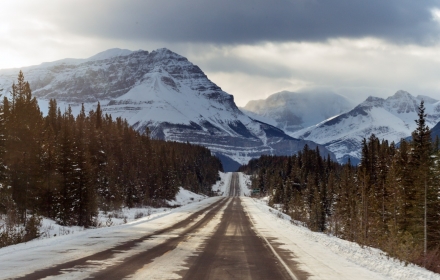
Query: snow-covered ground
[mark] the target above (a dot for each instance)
(50, 228)
(245, 184)
(24, 258)
(222, 187)
(327, 257)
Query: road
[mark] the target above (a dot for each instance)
(235, 251)
(217, 238)
(234, 185)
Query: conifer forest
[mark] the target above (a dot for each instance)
(68, 167)
(389, 201)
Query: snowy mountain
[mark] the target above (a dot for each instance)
(391, 119)
(292, 111)
(435, 131)
(163, 91)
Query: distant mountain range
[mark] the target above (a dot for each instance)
(293, 111)
(391, 119)
(163, 91)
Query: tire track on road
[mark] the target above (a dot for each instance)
(234, 185)
(108, 254)
(236, 250)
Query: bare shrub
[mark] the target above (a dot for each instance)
(96, 223)
(118, 214)
(63, 231)
(138, 215)
(431, 261)
(45, 231)
(109, 221)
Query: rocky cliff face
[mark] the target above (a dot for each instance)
(391, 119)
(163, 91)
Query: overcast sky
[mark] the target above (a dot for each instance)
(250, 48)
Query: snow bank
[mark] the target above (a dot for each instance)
(245, 184)
(222, 187)
(50, 229)
(184, 197)
(321, 254)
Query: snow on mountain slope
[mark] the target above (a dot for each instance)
(390, 119)
(292, 111)
(259, 118)
(163, 91)
(111, 53)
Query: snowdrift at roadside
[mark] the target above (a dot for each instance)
(321, 254)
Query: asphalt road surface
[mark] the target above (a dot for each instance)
(231, 250)
(235, 251)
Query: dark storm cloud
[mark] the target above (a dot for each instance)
(251, 21)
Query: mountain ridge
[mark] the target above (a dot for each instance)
(391, 119)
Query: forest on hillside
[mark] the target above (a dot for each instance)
(68, 167)
(391, 200)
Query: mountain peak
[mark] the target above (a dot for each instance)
(166, 54)
(402, 94)
(115, 52)
(292, 111)
(372, 101)
(164, 50)
(371, 98)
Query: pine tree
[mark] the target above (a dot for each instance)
(421, 162)
(24, 125)
(5, 195)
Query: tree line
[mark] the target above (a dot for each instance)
(68, 167)
(391, 200)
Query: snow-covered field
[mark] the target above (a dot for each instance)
(324, 256)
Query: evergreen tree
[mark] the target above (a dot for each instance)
(421, 163)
